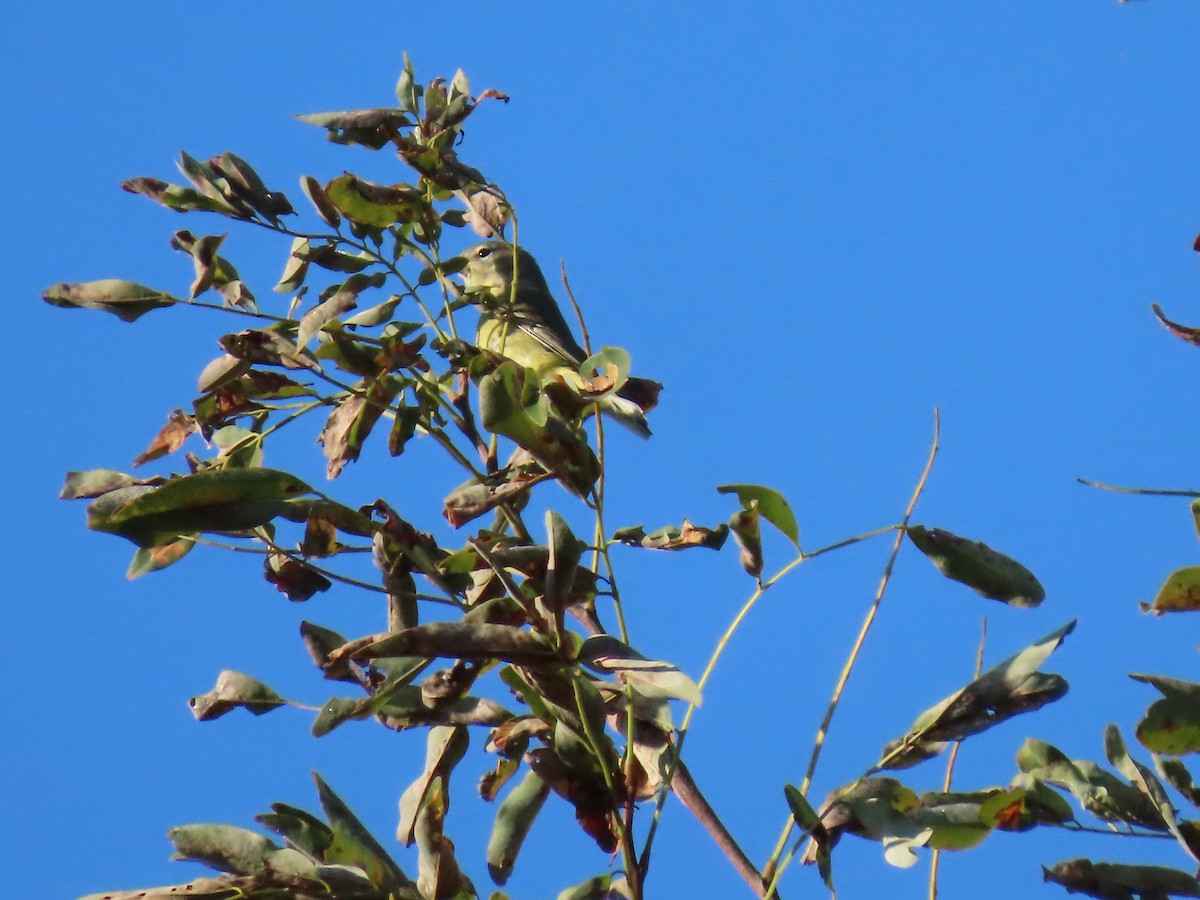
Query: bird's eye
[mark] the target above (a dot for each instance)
(484, 252)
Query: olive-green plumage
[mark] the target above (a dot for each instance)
(528, 327)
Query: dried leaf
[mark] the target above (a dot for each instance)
(169, 438)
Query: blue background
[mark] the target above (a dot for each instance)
(814, 222)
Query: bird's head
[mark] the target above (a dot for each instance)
(490, 268)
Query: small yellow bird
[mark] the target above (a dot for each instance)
(529, 328)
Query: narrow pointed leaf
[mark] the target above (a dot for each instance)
(1013, 687)
(127, 300)
(354, 845)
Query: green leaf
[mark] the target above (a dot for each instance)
(327, 256)
(514, 819)
(1119, 882)
(94, 482)
(223, 847)
(127, 300)
(652, 678)
(322, 314)
(1146, 782)
(445, 747)
(978, 566)
(772, 506)
(956, 820)
(371, 128)
(1178, 776)
(199, 889)
(596, 888)
(234, 690)
(605, 371)
(296, 267)
(511, 405)
(566, 551)
(174, 196)
(1180, 593)
(354, 845)
(337, 710)
(446, 267)
(1098, 791)
(151, 559)
(301, 829)
(1171, 725)
(214, 500)
(374, 205)
(878, 808)
(809, 822)
(408, 90)
(455, 640)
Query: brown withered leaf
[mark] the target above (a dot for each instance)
(485, 213)
(335, 438)
(320, 537)
(267, 348)
(600, 383)
(1184, 332)
(669, 537)
(293, 578)
(451, 640)
(590, 797)
(641, 391)
(170, 437)
(472, 499)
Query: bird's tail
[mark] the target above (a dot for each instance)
(627, 413)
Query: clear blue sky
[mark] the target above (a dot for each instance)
(814, 222)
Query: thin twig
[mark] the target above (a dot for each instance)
(778, 862)
(936, 857)
(721, 645)
(1152, 492)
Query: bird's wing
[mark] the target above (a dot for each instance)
(553, 339)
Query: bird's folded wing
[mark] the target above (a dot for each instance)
(554, 341)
